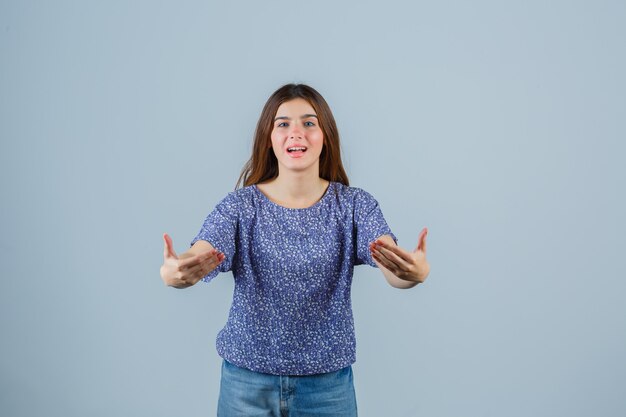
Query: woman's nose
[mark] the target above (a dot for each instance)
(296, 132)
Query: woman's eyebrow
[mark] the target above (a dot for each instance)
(304, 116)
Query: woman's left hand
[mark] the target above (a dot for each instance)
(409, 266)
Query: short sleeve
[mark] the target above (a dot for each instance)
(369, 225)
(220, 230)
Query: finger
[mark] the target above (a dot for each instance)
(168, 250)
(213, 261)
(406, 256)
(197, 272)
(399, 264)
(385, 262)
(396, 253)
(421, 241)
(187, 263)
(376, 252)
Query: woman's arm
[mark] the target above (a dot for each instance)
(402, 269)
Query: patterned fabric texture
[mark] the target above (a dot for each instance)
(291, 312)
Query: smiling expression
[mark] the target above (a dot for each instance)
(297, 139)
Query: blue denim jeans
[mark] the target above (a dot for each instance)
(245, 393)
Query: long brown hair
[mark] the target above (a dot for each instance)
(263, 164)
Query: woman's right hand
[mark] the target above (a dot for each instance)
(189, 268)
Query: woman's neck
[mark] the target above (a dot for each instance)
(295, 189)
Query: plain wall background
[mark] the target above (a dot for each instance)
(498, 125)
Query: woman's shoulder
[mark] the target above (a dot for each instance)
(351, 193)
(242, 192)
(237, 198)
(352, 199)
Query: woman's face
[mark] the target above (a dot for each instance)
(296, 126)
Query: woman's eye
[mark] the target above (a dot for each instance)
(282, 124)
(311, 124)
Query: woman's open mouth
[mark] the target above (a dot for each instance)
(296, 151)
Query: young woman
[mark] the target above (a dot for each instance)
(292, 236)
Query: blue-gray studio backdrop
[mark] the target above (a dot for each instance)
(498, 125)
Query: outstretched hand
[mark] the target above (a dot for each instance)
(187, 269)
(409, 266)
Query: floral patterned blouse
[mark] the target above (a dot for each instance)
(291, 312)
